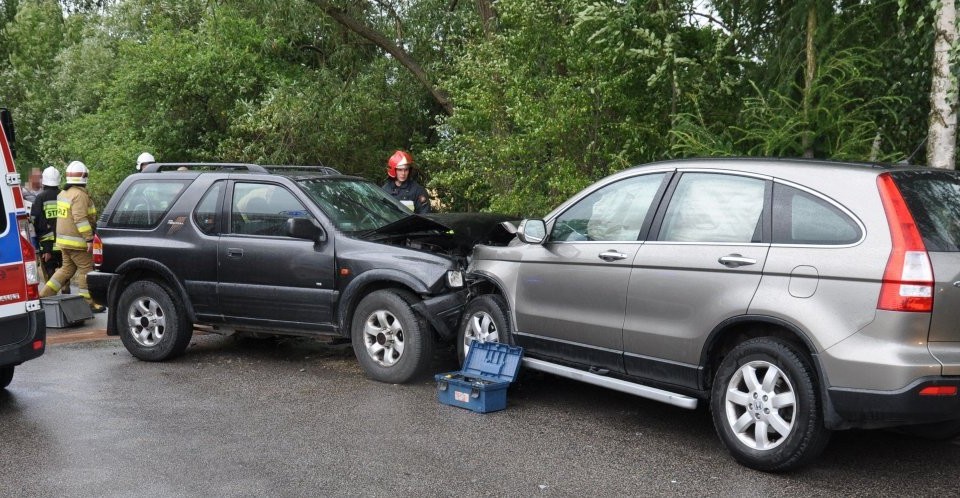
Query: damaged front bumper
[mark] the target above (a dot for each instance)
(443, 312)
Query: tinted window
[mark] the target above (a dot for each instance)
(801, 218)
(614, 213)
(934, 200)
(708, 207)
(3, 209)
(146, 202)
(263, 209)
(207, 215)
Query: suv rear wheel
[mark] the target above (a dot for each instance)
(484, 320)
(152, 322)
(765, 406)
(390, 341)
(6, 376)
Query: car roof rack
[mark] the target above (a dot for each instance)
(158, 167)
(323, 170)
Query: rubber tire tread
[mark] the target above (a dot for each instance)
(809, 436)
(418, 341)
(495, 306)
(178, 332)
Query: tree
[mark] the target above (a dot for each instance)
(942, 143)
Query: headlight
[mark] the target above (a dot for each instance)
(455, 279)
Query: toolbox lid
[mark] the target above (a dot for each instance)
(492, 360)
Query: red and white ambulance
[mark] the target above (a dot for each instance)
(23, 331)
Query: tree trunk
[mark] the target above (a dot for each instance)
(942, 139)
(398, 53)
(807, 141)
(488, 17)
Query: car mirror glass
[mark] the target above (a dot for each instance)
(532, 231)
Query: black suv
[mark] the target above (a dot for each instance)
(280, 250)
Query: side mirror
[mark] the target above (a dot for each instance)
(532, 231)
(6, 120)
(303, 228)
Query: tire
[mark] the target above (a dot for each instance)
(776, 425)
(152, 321)
(390, 341)
(6, 376)
(937, 431)
(485, 319)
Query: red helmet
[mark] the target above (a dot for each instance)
(399, 158)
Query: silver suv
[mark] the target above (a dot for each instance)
(794, 297)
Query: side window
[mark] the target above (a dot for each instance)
(146, 202)
(263, 209)
(711, 207)
(614, 213)
(3, 208)
(801, 218)
(207, 215)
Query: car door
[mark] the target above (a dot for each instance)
(265, 276)
(702, 267)
(571, 290)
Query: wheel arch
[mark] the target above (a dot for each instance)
(733, 331)
(144, 269)
(372, 281)
(487, 283)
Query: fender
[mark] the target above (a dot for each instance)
(830, 416)
(149, 265)
(352, 292)
(496, 282)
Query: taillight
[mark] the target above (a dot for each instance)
(29, 258)
(97, 252)
(908, 278)
(939, 391)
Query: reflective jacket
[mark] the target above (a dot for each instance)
(76, 218)
(44, 214)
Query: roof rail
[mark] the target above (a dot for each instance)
(323, 170)
(158, 167)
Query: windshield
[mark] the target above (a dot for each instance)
(354, 205)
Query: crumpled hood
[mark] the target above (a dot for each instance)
(464, 229)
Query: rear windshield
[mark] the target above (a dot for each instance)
(934, 200)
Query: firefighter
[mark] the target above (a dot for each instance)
(76, 223)
(402, 186)
(44, 215)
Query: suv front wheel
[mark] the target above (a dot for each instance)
(152, 322)
(766, 408)
(392, 344)
(485, 320)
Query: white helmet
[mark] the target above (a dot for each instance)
(144, 158)
(77, 173)
(51, 177)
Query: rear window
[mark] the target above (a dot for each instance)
(934, 200)
(146, 202)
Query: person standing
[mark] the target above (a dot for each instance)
(144, 159)
(402, 186)
(76, 223)
(44, 216)
(33, 187)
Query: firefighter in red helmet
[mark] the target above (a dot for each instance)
(402, 186)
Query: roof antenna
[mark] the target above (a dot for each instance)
(910, 157)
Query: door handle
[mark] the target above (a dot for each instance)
(234, 253)
(612, 255)
(735, 261)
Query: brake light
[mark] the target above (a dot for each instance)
(32, 276)
(939, 391)
(97, 252)
(908, 279)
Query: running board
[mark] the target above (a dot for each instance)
(611, 383)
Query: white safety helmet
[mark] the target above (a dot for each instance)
(144, 158)
(51, 177)
(77, 173)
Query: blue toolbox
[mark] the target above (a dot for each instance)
(482, 384)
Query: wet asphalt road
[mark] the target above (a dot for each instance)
(295, 418)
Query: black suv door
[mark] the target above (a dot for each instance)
(265, 276)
